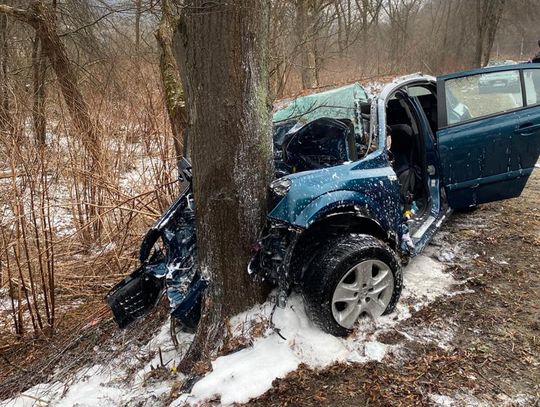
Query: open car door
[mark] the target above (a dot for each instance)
(488, 132)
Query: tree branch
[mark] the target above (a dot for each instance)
(17, 13)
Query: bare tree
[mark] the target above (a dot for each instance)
(170, 75)
(488, 15)
(43, 19)
(222, 50)
(4, 91)
(39, 66)
(400, 13)
(138, 13)
(305, 35)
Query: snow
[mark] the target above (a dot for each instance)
(464, 398)
(248, 373)
(113, 384)
(238, 377)
(426, 281)
(375, 350)
(245, 374)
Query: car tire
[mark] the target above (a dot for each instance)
(353, 274)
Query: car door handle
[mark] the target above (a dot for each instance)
(527, 129)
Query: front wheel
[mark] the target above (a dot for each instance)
(353, 276)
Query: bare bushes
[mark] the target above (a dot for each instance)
(59, 245)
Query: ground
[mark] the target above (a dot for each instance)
(466, 332)
(492, 356)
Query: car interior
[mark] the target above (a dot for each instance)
(408, 151)
(322, 143)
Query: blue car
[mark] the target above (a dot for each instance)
(362, 185)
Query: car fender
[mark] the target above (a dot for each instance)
(333, 202)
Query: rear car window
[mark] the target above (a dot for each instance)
(482, 95)
(532, 86)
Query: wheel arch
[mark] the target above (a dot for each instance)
(329, 225)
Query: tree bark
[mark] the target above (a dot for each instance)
(5, 121)
(138, 11)
(43, 19)
(170, 76)
(221, 47)
(306, 43)
(488, 16)
(39, 67)
(496, 14)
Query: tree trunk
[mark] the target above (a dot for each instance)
(221, 47)
(43, 19)
(497, 8)
(138, 10)
(5, 121)
(170, 77)
(488, 16)
(306, 43)
(39, 67)
(480, 30)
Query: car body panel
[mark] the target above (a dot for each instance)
(489, 157)
(321, 191)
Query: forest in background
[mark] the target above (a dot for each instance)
(88, 137)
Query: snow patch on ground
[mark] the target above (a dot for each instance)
(424, 281)
(248, 373)
(113, 384)
(463, 398)
(5, 300)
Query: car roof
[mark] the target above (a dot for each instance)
(339, 103)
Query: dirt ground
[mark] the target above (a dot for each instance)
(491, 356)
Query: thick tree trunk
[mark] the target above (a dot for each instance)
(222, 52)
(170, 76)
(496, 14)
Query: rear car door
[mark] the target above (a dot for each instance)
(488, 134)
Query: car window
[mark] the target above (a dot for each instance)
(532, 85)
(482, 95)
(418, 91)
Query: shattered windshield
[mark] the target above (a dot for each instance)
(321, 130)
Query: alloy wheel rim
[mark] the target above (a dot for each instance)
(366, 289)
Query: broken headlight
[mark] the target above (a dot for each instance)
(280, 187)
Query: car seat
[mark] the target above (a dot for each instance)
(402, 148)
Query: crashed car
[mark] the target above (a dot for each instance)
(361, 186)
